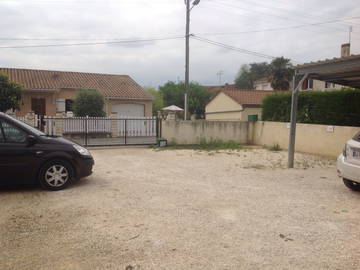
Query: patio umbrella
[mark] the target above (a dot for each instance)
(173, 108)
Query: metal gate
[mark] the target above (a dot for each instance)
(105, 131)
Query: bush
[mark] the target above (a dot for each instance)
(89, 102)
(10, 94)
(339, 107)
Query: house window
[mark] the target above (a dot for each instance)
(308, 84)
(328, 85)
(69, 105)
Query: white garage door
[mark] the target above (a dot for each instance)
(137, 110)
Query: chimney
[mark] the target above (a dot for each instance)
(345, 50)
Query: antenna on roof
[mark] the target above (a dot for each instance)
(350, 31)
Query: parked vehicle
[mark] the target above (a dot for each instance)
(348, 163)
(28, 155)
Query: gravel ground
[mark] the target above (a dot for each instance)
(183, 209)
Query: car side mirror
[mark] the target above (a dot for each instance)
(31, 140)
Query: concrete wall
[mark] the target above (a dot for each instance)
(191, 132)
(314, 139)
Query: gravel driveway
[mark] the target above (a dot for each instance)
(181, 209)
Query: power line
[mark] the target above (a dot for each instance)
(282, 28)
(89, 43)
(216, 2)
(281, 8)
(226, 46)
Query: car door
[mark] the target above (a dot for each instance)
(16, 157)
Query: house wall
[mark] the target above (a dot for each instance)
(25, 104)
(263, 85)
(313, 139)
(222, 107)
(317, 85)
(191, 132)
(251, 111)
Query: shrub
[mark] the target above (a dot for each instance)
(340, 107)
(89, 102)
(275, 148)
(10, 94)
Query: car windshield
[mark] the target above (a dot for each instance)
(357, 137)
(28, 127)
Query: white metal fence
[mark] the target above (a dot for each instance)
(87, 124)
(33, 122)
(136, 126)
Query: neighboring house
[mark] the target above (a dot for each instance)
(263, 84)
(309, 84)
(50, 92)
(235, 104)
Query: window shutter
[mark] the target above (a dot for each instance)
(60, 105)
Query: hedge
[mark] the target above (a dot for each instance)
(338, 107)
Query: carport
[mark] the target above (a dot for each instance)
(344, 71)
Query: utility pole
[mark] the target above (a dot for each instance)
(294, 103)
(187, 52)
(187, 56)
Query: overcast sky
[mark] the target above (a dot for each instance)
(153, 63)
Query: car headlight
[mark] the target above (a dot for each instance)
(82, 150)
(347, 150)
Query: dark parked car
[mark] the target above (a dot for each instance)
(27, 155)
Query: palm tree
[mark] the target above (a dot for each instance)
(281, 72)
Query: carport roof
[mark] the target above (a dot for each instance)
(344, 71)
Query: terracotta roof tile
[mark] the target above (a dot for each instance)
(217, 88)
(248, 97)
(119, 86)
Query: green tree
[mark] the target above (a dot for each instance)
(244, 79)
(248, 74)
(158, 102)
(10, 94)
(89, 102)
(198, 96)
(281, 72)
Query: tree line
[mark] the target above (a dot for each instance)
(279, 72)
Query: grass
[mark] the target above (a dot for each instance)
(275, 148)
(203, 145)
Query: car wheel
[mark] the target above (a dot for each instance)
(56, 175)
(352, 185)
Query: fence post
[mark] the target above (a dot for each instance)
(125, 129)
(114, 129)
(86, 130)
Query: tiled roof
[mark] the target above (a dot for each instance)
(248, 97)
(217, 88)
(119, 86)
